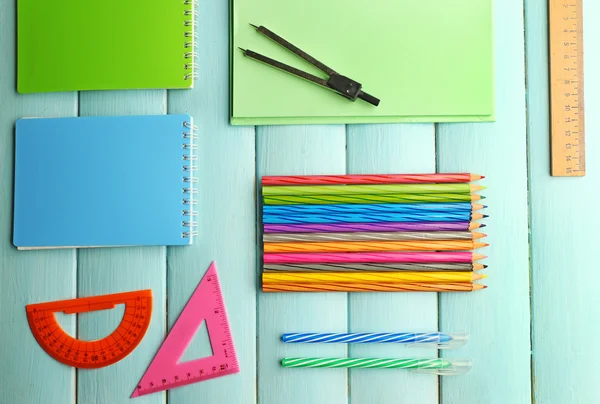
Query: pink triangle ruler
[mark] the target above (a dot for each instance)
(166, 372)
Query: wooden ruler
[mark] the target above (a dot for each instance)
(566, 88)
(91, 354)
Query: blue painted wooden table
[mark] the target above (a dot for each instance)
(532, 332)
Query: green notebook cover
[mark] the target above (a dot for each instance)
(69, 45)
(427, 60)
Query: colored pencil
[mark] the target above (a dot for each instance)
(374, 218)
(366, 227)
(396, 257)
(320, 278)
(359, 179)
(369, 199)
(376, 267)
(358, 246)
(372, 189)
(405, 208)
(373, 287)
(371, 236)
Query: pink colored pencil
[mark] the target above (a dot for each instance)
(369, 179)
(396, 257)
(362, 227)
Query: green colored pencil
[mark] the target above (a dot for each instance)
(373, 189)
(366, 199)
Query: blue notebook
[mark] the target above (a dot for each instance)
(104, 181)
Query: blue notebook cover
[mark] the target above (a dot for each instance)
(104, 181)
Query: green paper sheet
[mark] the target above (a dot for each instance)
(427, 60)
(69, 45)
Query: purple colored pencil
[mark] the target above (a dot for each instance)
(358, 227)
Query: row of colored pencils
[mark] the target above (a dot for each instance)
(357, 233)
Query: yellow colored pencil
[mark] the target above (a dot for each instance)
(369, 277)
(363, 246)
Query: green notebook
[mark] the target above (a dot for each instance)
(69, 45)
(427, 60)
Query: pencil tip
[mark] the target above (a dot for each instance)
(484, 206)
(482, 197)
(485, 266)
(482, 176)
(243, 50)
(484, 216)
(483, 225)
(254, 26)
(484, 286)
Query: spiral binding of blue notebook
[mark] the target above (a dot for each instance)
(104, 181)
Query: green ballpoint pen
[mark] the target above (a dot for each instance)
(439, 366)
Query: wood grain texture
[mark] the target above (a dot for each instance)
(226, 213)
(391, 149)
(563, 294)
(564, 277)
(497, 318)
(286, 151)
(114, 270)
(28, 276)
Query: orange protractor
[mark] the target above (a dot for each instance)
(91, 354)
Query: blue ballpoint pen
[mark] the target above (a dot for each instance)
(436, 339)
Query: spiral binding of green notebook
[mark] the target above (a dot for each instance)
(70, 45)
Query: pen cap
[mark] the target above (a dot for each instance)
(450, 341)
(443, 366)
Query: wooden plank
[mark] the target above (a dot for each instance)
(113, 270)
(226, 168)
(299, 150)
(498, 317)
(391, 149)
(28, 276)
(564, 279)
(566, 88)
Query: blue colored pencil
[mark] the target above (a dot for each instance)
(288, 210)
(372, 218)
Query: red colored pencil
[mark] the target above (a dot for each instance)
(360, 179)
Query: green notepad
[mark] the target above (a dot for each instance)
(68, 45)
(427, 60)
